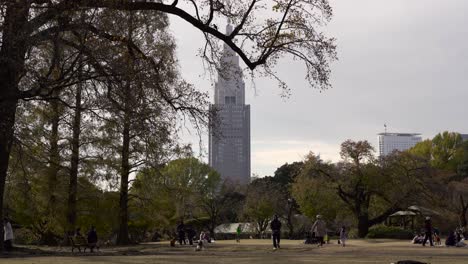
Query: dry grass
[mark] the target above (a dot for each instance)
(251, 251)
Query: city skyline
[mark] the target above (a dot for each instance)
(411, 76)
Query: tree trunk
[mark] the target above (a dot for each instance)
(48, 237)
(54, 157)
(363, 225)
(122, 238)
(7, 121)
(74, 163)
(290, 222)
(463, 221)
(12, 55)
(464, 209)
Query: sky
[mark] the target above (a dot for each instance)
(403, 63)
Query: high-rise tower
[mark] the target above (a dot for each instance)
(229, 137)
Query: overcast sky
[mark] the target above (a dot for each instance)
(401, 62)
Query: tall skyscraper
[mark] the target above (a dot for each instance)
(229, 137)
(389, 142)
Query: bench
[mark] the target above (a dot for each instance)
(81, 242)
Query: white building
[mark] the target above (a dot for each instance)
(389, 142)
(229, 139)
(464, 137)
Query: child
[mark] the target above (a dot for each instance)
(343, 236)
(437, 240)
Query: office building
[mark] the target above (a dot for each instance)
(229, 136)
(389, 142)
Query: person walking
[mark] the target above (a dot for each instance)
(92, 239)
(320, 229)
(428, 232)
(7, 234)
(181, 233)
(238, 233)
(343, 236)
(275, 226)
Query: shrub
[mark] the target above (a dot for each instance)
(382, 231)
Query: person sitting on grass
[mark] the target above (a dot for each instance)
(451, 240)
(418, 239)
(437, 239)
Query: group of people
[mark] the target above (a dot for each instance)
(185, 233)
(456, 238)
(318, 232)
(91, 239)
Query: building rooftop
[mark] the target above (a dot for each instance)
(400, 134)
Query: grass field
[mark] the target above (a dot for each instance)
(248, 251)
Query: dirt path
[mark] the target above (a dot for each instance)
(251, 251)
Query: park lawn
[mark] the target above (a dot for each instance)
(253, 251)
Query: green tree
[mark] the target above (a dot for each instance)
(314, 192)
(286, 174)
(264, 198)
(446, 150)
(422, 149)
(370, 189)
(463, 165)
(26, 26)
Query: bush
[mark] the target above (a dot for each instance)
(24, 236)
(382, 231)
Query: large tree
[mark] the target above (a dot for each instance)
(264, 198)
(259, 39)
(371, 189)
(444, 151)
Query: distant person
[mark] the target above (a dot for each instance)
(428, 232)
(418, 239)
(238, 233)
(78, 233)
(92, 238)
(458, 234)
(205, 238)
(343, 236)
(79, 238)
(181, 233)
(7, 234)
(275, 226)
(451, 240)
(191, 234)
(208, 237)
(437, 241)
(319, 228)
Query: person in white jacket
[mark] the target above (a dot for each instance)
(8, 234)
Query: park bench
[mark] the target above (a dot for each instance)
(80, 242)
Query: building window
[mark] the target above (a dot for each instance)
(230, 100)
